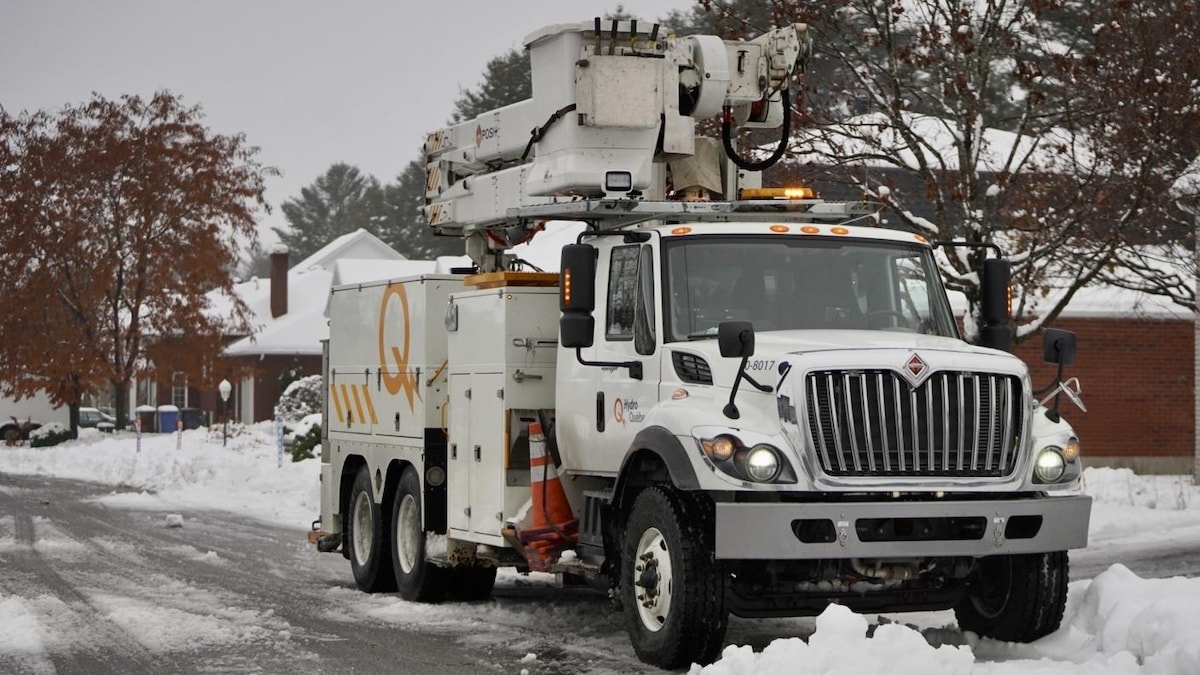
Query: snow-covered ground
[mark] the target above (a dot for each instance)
(1115, 623)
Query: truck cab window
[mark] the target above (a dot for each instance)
(622, 293)
(643, 322)
(798, 283)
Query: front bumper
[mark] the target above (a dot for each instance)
(768, 531)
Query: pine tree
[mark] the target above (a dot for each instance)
(506, 79)
(404, 227)
(338, 202)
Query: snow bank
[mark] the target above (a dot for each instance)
(196, 470)
(1117, 623)
(841, 645)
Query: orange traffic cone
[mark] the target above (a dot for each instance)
(553, 525)
(549, 499)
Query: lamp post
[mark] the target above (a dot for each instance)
(225, 388)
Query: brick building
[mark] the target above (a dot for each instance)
(1138, 380)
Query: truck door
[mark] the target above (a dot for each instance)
(614, 402)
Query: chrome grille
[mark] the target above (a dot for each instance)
(873, 423)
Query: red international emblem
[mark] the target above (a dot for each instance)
(915, 366)
(478, 135)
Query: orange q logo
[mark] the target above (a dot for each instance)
(402, 379)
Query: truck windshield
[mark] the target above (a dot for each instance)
(799, 283)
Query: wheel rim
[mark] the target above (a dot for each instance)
(408, 529)
(652, 579)
(994, 584)
(364, 531)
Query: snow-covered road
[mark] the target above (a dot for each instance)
(87, 588)
(93, 580)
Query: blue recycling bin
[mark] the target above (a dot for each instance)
(168, 415)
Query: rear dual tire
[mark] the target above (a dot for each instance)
(390, 554)
(367, 536)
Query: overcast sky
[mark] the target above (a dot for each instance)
(311, 82)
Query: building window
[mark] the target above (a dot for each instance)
(179, 389)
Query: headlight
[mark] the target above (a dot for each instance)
(762, 464)
(1050, 465)
(728, 454)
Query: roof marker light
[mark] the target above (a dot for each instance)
(810, 229)
(839, 230)
(796, 192)
(779, 228)
(681, 230)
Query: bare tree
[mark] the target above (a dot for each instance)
(1001, 122)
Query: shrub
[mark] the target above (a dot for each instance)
(48, 435)
(290, 375)
(302, 397)
(302, 447)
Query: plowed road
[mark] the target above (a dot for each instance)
(95, 587)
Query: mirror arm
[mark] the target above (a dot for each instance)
(730, 409)
(635, 367)
(764, 388)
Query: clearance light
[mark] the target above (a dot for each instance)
(778, 193)
(681, 230)
(810, 229)
(779, 228)
(839, 230)
(720, 448)
(921, 239)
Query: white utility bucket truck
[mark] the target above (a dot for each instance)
(756, 405)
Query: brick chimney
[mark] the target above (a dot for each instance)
(279, 283)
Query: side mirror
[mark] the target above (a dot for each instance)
(575, 330)
(577, 279)
(995, 303)
(1058, 346)
(736, 339)
(577, 296)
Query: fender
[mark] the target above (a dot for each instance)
(665, 446)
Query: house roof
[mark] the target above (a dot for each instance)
(300, 330)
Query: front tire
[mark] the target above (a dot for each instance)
(672, 590)
(367, 535)
(416, 578)
(1015, 598)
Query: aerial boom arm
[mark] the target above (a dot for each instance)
(611, 105)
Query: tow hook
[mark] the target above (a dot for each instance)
(328, 543)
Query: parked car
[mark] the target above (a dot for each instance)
(95, 418)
